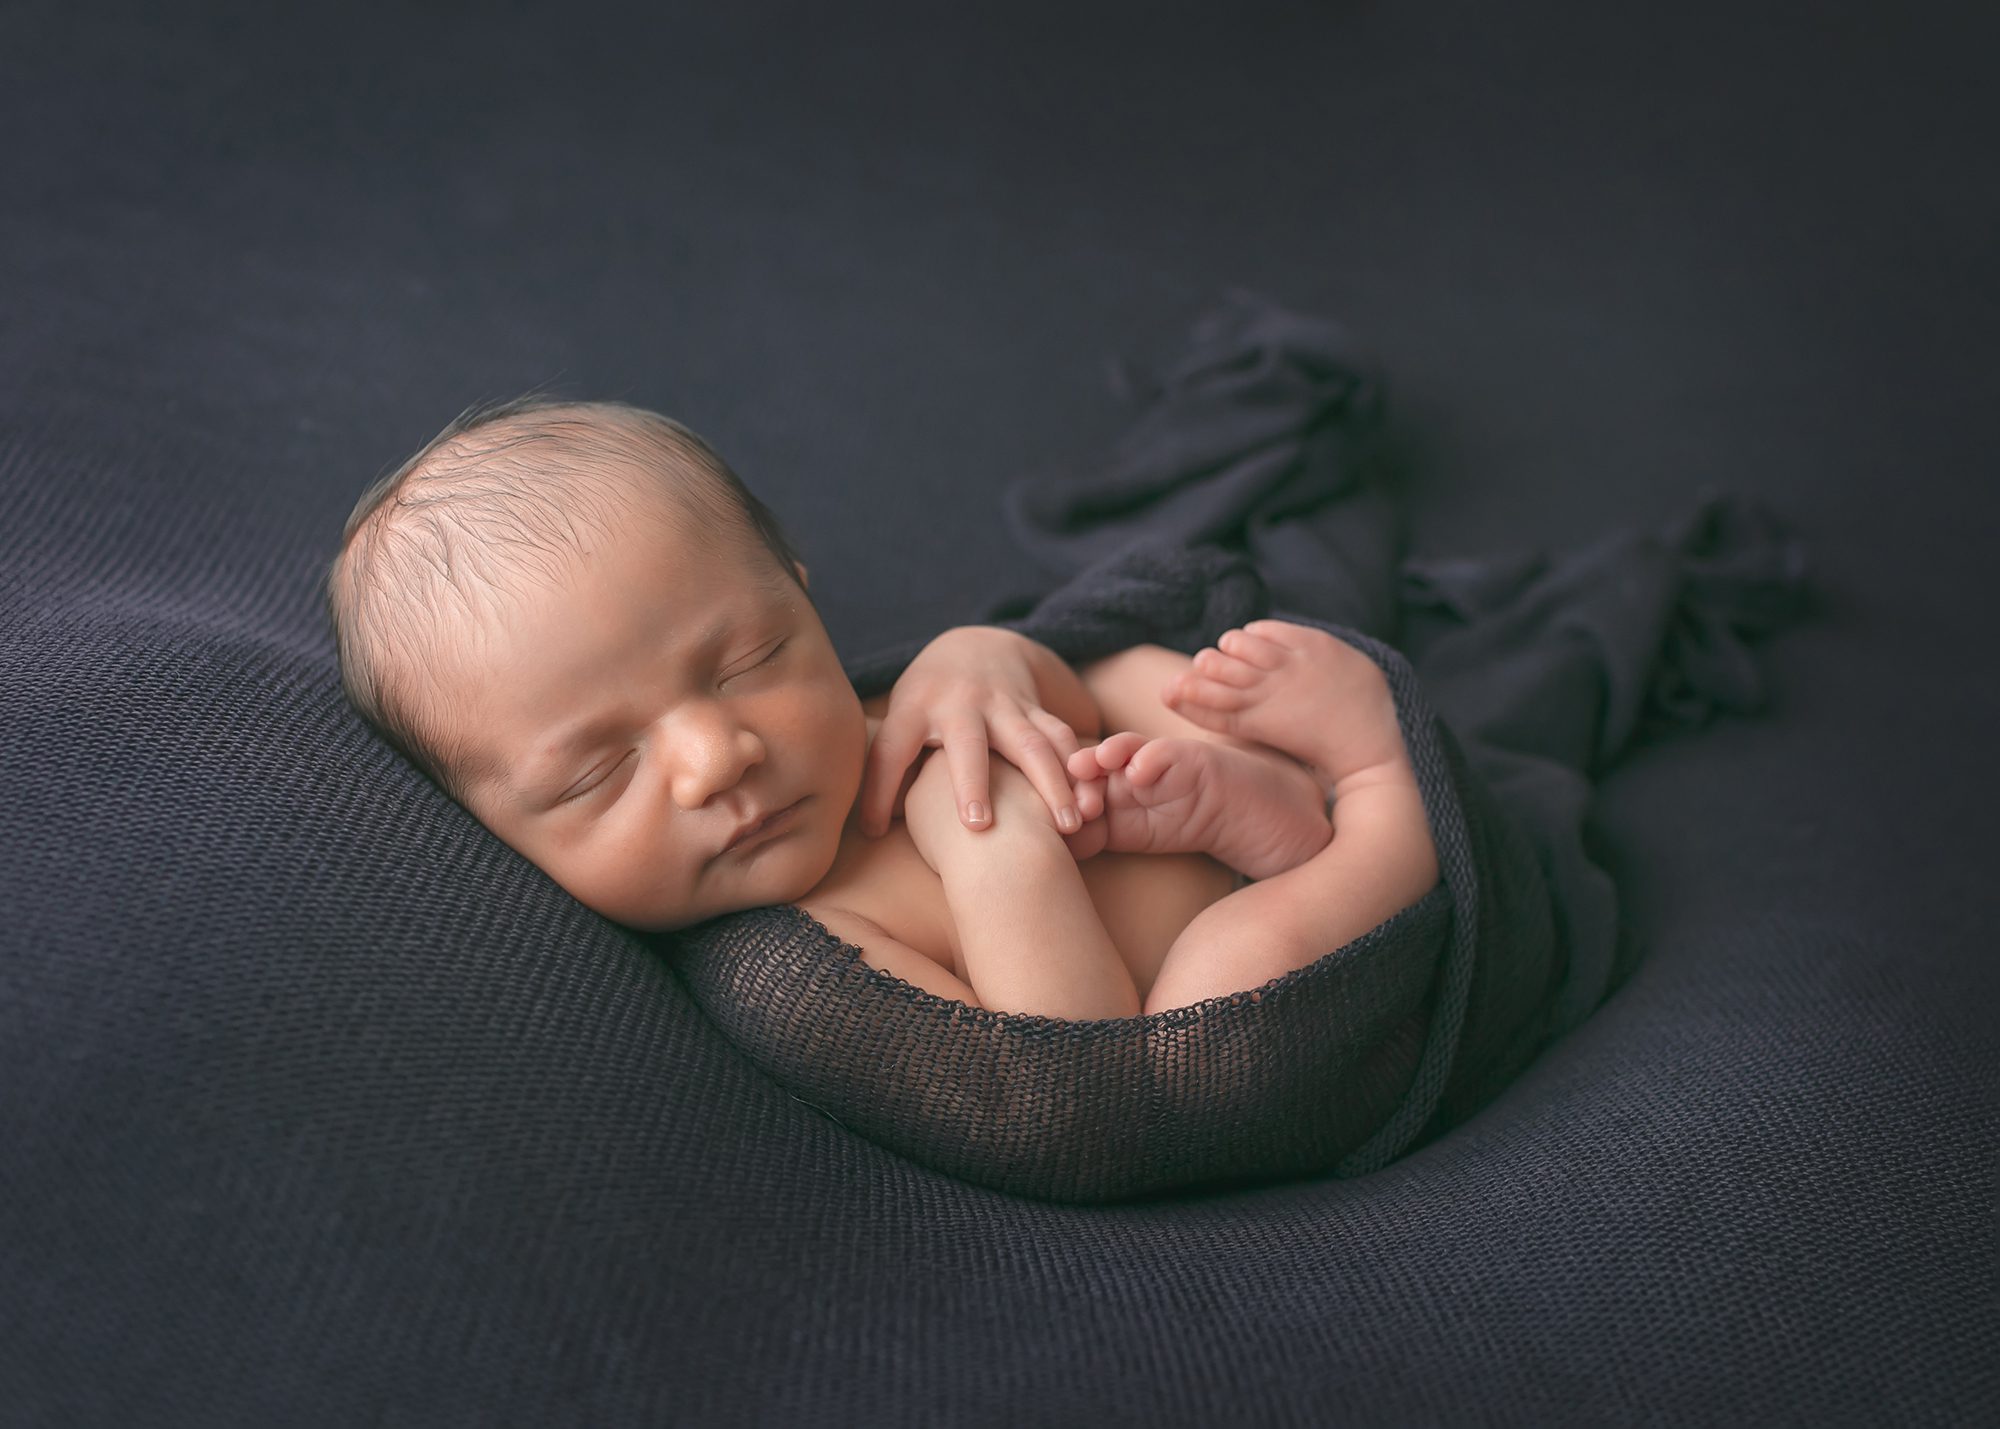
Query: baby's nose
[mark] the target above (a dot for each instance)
(711, 758)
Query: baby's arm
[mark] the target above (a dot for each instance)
(975, 689)
(1030, 937)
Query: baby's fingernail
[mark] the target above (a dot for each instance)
(1068, 822)
(975, 812)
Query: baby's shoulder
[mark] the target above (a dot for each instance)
(885, 884)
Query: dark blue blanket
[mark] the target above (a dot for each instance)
(323, 1107)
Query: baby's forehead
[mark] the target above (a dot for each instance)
(495, 681)
(468, 627)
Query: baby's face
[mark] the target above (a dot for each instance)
(673, 694)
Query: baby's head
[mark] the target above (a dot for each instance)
(574, 618)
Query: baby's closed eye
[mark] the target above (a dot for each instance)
(768, 656)
(595, 781)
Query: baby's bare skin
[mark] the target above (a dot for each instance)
(1313, 697)
(1297, 689)
(1256, 813)
(1291, 688)
(1321, 703)
(905, 923)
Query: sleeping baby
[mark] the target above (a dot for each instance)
(574, 618)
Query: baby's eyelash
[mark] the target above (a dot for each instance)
(767, 658)
(593, 786)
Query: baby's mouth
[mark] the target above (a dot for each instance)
(769, 826)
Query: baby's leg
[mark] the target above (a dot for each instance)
(1303, 690)
(1294, 688)
(1144, 918)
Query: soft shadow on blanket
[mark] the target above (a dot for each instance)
(1255, 481)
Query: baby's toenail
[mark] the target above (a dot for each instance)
(1068, 821)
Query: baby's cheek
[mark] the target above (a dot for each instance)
(837, 742)
(620, 878)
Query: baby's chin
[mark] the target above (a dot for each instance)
(773, 881)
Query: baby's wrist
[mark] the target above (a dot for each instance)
(1018, 855)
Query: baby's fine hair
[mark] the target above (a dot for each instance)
(501, 496)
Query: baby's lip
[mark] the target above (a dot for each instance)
(756, 825)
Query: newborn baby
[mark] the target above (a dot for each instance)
(574, 618)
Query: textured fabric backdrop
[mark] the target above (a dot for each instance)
(321, 1107)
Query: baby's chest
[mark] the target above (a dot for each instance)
(886, 881)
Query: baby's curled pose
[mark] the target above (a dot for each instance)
(577, 621)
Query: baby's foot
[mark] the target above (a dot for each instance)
(1259, 813)
(1297, 689)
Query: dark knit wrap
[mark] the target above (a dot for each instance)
(1339, 1066)
(1258, 469)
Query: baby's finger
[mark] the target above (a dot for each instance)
(1060, 735)
(1036, 755)
(895, 748)
(966, 753)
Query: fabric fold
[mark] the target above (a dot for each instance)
(1264, 435)
(1575, 657)
(1260, 448)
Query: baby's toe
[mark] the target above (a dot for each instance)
(1287, 635)
(1159, 756)
(1148, 764)
(1203, 693)
(1088, 841)
(1116, 750)
(1254, 646)
(1213, 664)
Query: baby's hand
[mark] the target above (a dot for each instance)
(971, 691)
(1019, 813)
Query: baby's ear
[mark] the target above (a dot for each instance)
(799, 566)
